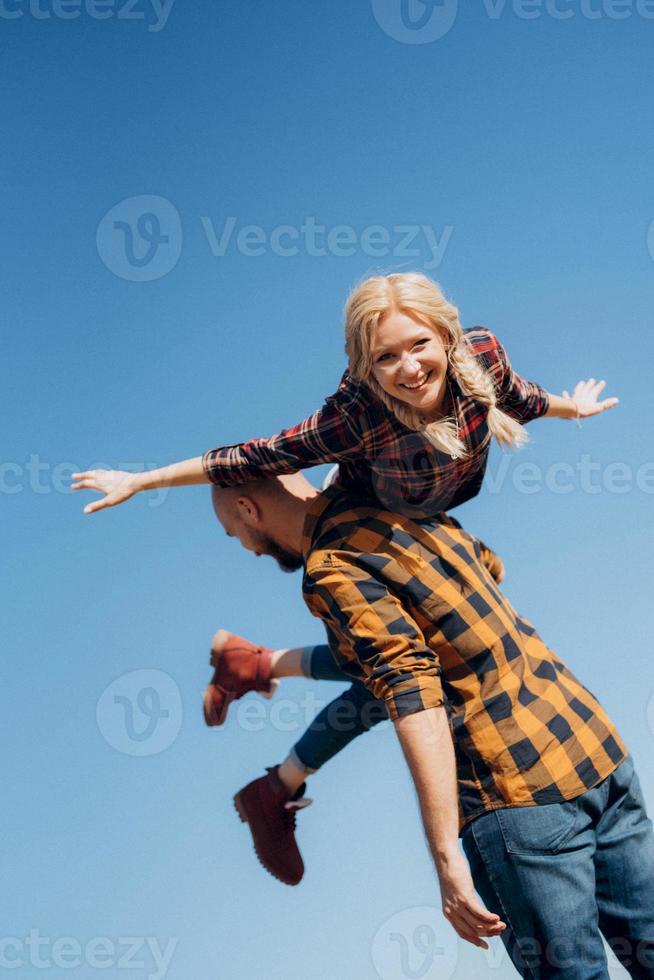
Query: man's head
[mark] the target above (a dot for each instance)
(267, 516)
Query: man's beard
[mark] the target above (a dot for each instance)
(288, 561)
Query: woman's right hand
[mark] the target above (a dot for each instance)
(116, 485)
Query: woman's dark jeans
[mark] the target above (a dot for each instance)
(350, 714)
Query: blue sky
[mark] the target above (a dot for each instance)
(287, 150)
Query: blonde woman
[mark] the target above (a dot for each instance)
(415, 379)
(411, 424)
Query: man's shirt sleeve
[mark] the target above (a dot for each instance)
(331, 434)
(374, 630)
(522, 400)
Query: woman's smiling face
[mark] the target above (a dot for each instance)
(409, 361)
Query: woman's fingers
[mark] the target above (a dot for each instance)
(100, 504)
(86, 481)
(586, 395)
(87, 475)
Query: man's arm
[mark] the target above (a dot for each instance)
(371, 626)
(427, 745)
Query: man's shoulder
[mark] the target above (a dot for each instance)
(324, 559)
(352, 527)
(355, 533)
(328, 569)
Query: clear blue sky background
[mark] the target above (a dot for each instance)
(532, 141)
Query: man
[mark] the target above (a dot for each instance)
(506, 747)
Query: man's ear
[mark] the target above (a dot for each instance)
(248, 511)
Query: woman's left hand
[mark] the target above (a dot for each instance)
(586, 398)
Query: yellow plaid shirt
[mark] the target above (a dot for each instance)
(413, 612)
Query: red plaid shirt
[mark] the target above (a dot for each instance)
(377, 453)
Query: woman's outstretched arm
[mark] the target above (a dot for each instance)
(119, 485)
(525, 400)
(333, 433)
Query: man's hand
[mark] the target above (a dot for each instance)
(116, 485)
(461, 907)
(426, 741)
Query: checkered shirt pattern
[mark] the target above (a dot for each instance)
(414, 614)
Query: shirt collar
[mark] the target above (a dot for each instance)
(314, 515)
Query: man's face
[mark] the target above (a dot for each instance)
(240, 522)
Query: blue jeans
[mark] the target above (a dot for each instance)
(349, 715)
(562, 874)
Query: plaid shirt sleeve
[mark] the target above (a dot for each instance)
(522, 400)
(373, 628)
(492, 562)
(331, 434)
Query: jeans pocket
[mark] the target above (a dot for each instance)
(542, 829)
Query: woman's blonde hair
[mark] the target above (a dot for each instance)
(419, 296)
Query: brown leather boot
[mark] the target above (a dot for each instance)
(240, 666)
(267, 806)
